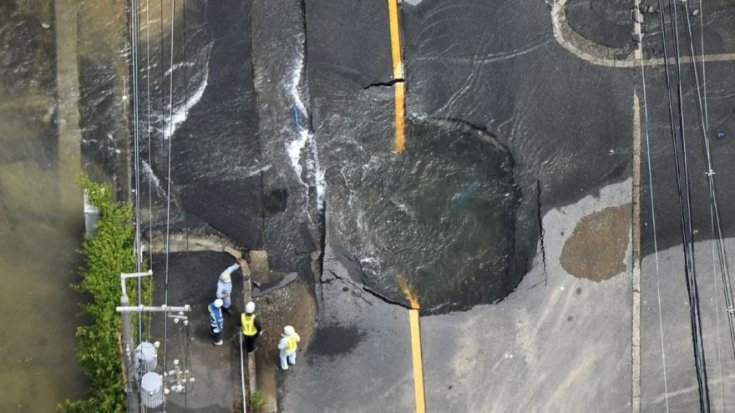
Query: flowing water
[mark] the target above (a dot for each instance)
(41, 220)
(215, 108)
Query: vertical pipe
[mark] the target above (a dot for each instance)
(127, 345)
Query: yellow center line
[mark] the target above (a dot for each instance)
(400, 140)
(399, 87)
(395, 39)
(418, 369)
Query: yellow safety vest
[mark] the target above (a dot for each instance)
(291, 344)
(248, 325)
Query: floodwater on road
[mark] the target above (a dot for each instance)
(41, 221)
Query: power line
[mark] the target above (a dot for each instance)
(150, 146)
(653, 221)
(714, 277)
(713, 198)
(687, 231)
(168, 185)
(186, 112)
(704, 73)
(134, 11)
(148, 134)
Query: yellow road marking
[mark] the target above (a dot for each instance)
(418, 369)
(418, 365)
(399, 87)
(395, 39)
(400, 140)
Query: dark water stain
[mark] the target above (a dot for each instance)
(334, 340)
(275, 201)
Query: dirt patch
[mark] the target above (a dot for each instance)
(292, 305)
(258, 261)
(596, 249)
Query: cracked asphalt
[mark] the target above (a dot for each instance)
(304, 163)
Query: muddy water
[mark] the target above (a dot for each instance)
(40, 220)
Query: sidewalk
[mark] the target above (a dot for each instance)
(193, 280)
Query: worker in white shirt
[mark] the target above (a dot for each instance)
(224, 286)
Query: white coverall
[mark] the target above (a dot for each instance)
(285, 355)
(224, 290)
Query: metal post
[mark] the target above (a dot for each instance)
(127, 346)
(127, 339)
(151, 309)
(131, 390)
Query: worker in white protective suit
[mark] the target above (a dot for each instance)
(224, 286)
(288, 346)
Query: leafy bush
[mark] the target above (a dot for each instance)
(107, 253)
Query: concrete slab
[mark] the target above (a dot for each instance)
(558, 343)
(668, 380)
(359, 359)
(193, 281)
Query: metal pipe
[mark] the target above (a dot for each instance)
(242, 379)
(140, 308)
(127, 345)
(124, 276)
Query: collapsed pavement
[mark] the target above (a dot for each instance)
(518, 86)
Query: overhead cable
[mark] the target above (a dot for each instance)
(687, 230)
(653, 222)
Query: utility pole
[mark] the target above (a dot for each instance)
(127, 338)
(132, 389)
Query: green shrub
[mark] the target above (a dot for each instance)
(107, 253)
(257, 400)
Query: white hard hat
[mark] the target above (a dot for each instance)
(250, 307)
(218, 303)
(289, 331)
(225, 277)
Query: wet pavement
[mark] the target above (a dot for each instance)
(516, 176)
(359, 358)
(568, 126)
(666, 357)
(192, 279)
(545, 141)
(559, 342)
(41, 221)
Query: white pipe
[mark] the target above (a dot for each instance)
(242, 379)
(141, 308)
(124, 276)
(136, 274)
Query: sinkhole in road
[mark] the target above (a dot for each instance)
(440, 216)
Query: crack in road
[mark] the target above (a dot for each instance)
(541, 229)
(389, 83)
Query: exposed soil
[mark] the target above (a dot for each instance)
(596, 249)
(292, 305)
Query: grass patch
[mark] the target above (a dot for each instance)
(257, 400)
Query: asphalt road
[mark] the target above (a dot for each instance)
(558, 341)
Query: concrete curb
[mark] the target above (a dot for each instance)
(601, 55)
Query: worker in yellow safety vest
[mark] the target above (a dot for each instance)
(287, 346)
(251, 327)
